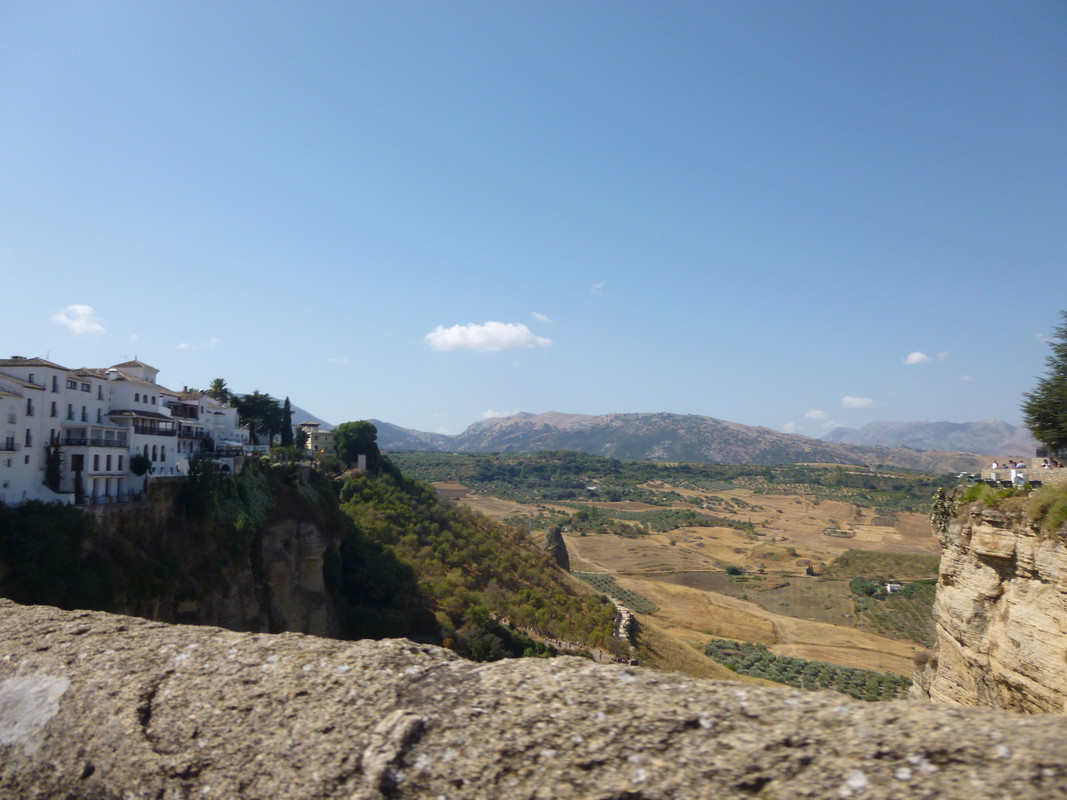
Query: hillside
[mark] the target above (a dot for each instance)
(991, 436)
(664, 437)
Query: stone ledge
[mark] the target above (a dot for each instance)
(100, 706)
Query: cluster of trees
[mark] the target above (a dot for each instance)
(566, 476)
(747, 658)
(473, 571)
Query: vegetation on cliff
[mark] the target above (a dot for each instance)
(474, 571)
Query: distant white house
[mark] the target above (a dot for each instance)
(893, 588)
(318, 439)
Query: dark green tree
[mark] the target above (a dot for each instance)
(261, 413)
(355, 439)
(287, 424)
(300, 439)
(1045, 407)
(53, 464)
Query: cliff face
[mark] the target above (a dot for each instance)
(95, 706)
(1001, 614)
(262, 576)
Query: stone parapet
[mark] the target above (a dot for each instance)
(100, 706)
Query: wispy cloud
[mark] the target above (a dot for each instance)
(917, 358)
(490, 414)
(80, 320)
(789, 427)
(487, 337)
(848, 401)
(541, 317)
(816, 414)
(339, 360)
(598, 288)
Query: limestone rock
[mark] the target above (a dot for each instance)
(100, 706)
(1001, 613)
(557, 548)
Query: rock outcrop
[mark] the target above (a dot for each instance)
(100, 706)
(1001, 613)
(556, 548)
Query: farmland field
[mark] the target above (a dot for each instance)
(766, 558)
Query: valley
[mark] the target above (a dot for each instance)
(766, 556)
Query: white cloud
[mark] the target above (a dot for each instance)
(917, 358)
(598, 288)
(339, 360)
(490, 336)
(966, 378)
(184, 346)
(856, 402)
(214, 342)
(816, 414)
(943, 355)
(490, 414)
(790, 427)
(80, 319)
(541, 317)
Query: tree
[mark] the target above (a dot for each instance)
(355, 439)
(1045, 408)
(287, 425)
(261, 413)
(53, 464)
(220, 391)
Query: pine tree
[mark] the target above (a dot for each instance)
(1045, 408)
(287, 424)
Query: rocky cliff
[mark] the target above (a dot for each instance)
(100, 706)
(1001, 614)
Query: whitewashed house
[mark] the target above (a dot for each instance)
(100, 418)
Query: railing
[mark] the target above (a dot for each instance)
(150, 431)
(82, 441)
(9, 447)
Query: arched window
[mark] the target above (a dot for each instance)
(155, 453)
(163, 452)
(146, 451)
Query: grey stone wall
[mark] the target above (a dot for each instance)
(100, 706)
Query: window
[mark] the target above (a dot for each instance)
(99, 416)
(55, 384)
(70, 411)
(120, 463)
(153, 399)
(72, 384)
(85, 414)
(96, 463)
(29, 440)
(54, 414)
(86, 387)
(163, 452)
(137, 397)
(31, 377)
(77, 462)
(100, 392)
(29, 407)
(155, 453)
(107, 462)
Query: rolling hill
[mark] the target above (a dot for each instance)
(664, 437)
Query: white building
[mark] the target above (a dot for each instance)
(100, 418)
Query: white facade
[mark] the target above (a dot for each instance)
(100, 418)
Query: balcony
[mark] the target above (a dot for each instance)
(85, 441)
(149, 430)
(9, 446)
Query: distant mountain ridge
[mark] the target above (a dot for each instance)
(664, 437)
(990, 436)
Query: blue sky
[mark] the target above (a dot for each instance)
(784, 214)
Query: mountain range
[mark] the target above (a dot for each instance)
(688, 437)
